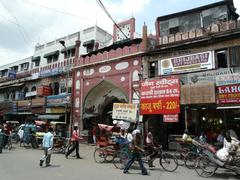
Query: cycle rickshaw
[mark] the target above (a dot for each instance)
(106, 145)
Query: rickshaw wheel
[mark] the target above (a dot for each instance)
(99, 155)
(190, 159)
(168, 162)
(109, 154)
(120, 159)
(204, 167)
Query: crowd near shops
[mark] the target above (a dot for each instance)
(137, 99)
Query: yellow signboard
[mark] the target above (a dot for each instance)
(125, 111)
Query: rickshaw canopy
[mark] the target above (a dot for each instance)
(105, 127)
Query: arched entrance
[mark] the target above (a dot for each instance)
(98, 103)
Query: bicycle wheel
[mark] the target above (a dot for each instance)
(190, 159)
(109, 153)
(120, 159)
(180, 157)
(204, 167)
(168, 162)
(9, 146)
(99, 155)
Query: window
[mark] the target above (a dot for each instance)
(234, 55)
(174, 30)
(153, 70)
(221, 56)
(56, 88)
(51, 59)
(37, 63)
(24, 66)
(70, 53)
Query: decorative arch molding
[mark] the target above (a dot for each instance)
(98, 101)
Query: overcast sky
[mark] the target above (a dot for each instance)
(24, 23)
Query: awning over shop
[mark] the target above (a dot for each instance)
(12, 85)
(54, 53)
(68, 48)
(37, 58)
(228, 107)
(49, 116)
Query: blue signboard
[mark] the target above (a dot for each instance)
(12, 74)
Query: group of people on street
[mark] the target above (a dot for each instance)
(5, 133)
(227, 142)
(48, 142)
(134, 141)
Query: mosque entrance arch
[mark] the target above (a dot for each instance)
(98, 103)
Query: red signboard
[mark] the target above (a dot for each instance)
(44, 91)
(229, 94)
(160, 96)
(170, 118)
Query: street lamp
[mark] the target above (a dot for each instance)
(66, 85)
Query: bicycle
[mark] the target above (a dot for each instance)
(121, 156)
(187, 155)
(166, 160)
(9, 142)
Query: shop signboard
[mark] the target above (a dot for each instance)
(200, 93)
(168, 118)
(187, 63)
(229, 94)
(227, 79)
(207, 76)
(124, 111)
(44, 91)
(23, 75)
(38, 102)
(56, 110)
(23, 105)
(58, 100)
(31, 93)
(160, 96)
(46, 73)
(11, 74)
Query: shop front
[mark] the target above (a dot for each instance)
(160, 107)
(58, 108)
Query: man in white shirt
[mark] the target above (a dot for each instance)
(47, 145)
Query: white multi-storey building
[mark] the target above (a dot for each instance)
(50, 65)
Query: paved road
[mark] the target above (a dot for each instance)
(23, 164)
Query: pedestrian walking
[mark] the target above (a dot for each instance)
(2, 138)
(47, 145)
(136, 154)
(75, 140)
(94, 134)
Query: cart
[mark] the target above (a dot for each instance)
(106, 146)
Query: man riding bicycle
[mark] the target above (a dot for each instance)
(151, 147)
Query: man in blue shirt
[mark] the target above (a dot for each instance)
(47, 145)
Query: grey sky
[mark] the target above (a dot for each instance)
(24, 23)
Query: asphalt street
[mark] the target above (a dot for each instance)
(23, 164)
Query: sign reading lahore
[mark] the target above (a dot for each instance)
(160, 96)
(229, 94)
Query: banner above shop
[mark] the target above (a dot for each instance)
(168, 118)
(227, 79)
(207, 76)
(201, 93)
(51, 72)
(59, 100)
(187, 63)
(124, 111)
(160, 96)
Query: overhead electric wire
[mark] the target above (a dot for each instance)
(21, 28)
(109, 15)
